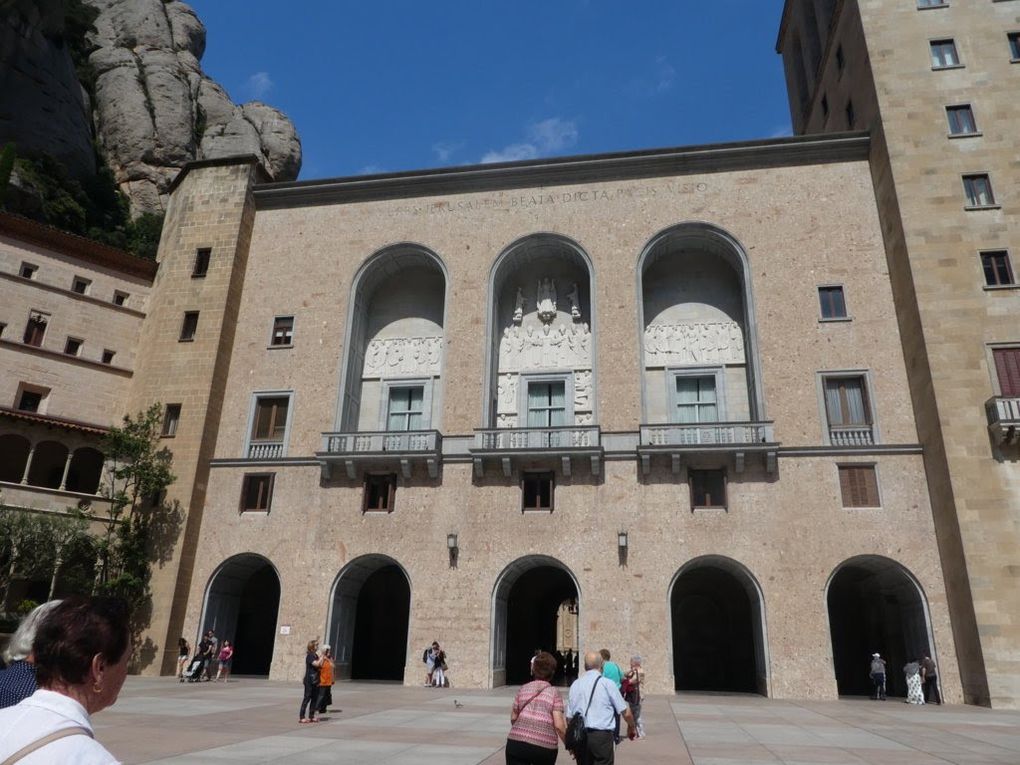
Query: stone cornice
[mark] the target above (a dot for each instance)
(710, 158)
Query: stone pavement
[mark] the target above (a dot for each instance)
(158, 720)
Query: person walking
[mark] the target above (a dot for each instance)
(325, 680)
(912, 671)
(598, 701)
(536, 717)
(311, 682)
(214, 651)
(633, 682)
(611, 671)
(877, 674)
(930, 680)
(183, 652)
(225, 657)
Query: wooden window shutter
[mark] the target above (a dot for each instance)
(1007, 367)
(858, 485)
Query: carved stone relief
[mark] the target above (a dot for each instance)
(506, 400)
(546, 347)
(719, 342)
(404, 356)
(582, 391)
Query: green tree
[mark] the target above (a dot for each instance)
(20, 543)
(65, 536)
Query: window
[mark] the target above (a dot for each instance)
(35, 330)
(283, 331)
(961, 120)
(859, 486)
(80, 285)
(120, 298)
(840, 59)
(30, 400)
(201, 267)
(1007, 368)
(825, 107)
(547, 406)
(833, 302)
(73, 346)
(695, 399)
(270, 422)
(1014, 46)
(108, 356)
(406, 408)
(851, 116)
(943, 54)
(171, 417)
(189, 326)
(846, 402)
(28, 271)
(708, 489)
(932, 4)
(537, 491)
(3, 326)
(978, 189)
(998, 272)
(380, 491)
(257, 492)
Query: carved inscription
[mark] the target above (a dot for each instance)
(403, 357)
(718, 342)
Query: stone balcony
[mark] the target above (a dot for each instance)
(382, 449)
(560, 444)
(1004, 419)
(856, 435)
(722, 438)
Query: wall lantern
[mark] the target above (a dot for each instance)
(621, 547)
(451, 546)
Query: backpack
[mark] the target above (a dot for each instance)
(577, 734)
(425, 656)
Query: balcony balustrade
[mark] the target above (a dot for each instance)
(382, 448)
(562, 443)
(1004, 419)
(265, 450)
(679, 439)
(857, 435)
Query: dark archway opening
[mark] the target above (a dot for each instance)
(380, 626)
(874, 607)
(48, 462)
(242, 606)
(86, 471)
(532, 609)
(13, 457)
(717, 640)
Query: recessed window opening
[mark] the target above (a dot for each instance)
(257, 492)
(35, 329)
(120, 298)
(858, 486)
(379, 494)
(537, 491)
(28, 270)
(270, 418)
(108, 356)
(708, 489)
(961, 120)
(997, 268)
(73, 346)
(1007, 369)
(171, 418)
(978, 190)
(80, 285)
(846, 402)
(406, 408)
(189, 326)
(944, 54)
(201, 267)
(283, 331)
(833, 302)
(30, 400)
(547, 406)
(696, 399)
(1014, 45)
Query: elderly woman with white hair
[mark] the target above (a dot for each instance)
(17, 681)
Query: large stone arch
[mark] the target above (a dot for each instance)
(49, 460)
(551, 591)
(352, 622)
(14, 449)
(725, 627)
(86, 470)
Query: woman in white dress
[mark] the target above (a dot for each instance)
(915, 695)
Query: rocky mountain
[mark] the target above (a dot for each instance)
(151, 109)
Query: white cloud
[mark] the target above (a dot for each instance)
(371, 170)
(657, 80)
(444, 150)
(783, 131)
(545, 137)
(259, 84)
(665, 75)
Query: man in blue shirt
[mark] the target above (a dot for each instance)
(600, 713)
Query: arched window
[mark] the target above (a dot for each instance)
(86, 470)
(48, 462)
(13, 457)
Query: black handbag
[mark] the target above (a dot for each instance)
(577, 733)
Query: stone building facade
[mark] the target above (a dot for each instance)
(935, 81)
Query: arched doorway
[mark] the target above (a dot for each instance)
(718, 624)
(368, 619)
(875, 606)
(528, 606)
(241, 605)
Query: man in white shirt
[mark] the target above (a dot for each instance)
(599, 701)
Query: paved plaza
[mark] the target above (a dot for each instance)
(255, 721)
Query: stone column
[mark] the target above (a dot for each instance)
(67, 467)
(28, 463)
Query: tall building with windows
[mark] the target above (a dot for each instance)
(935, 82)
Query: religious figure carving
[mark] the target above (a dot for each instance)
(506, 420)
(547, 346)
(403, 356)
(546, 300)
(518, 316)
(582, 390)
(717, 342)
(575, 302)
(584, 418)
(506, 400)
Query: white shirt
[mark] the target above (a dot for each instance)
(46, 712)
(605, 701)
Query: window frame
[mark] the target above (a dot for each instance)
(272, 332)
(823, 376)
(950, 109)
(37, 317)
(122, 297)
(411, 382)
(185, 338)
(718, 372)
(103, 358)
(31, 268)
(538, 475)
(921, 6)
(1013, 40)
(86, 285)
(524, 382)
(78, 351)
(846, 310)
(253, 408)
(38, 390)
(170, 424)
(245, 479)
(878, 484)
(992, 204)
(942, 41)
(993, 369)
(692, 472)
(390, 480)
(203, 258)
(1012, 283)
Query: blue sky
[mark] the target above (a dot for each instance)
(397, 85)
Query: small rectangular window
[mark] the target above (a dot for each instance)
(283, 331)
(932, 3)
(171, 417)
(120, 298)
(547, 406)
(30, 400)
(380, 492)
(201, 267)
(406, 408)
(537, 490)
(28, 271)
(846, 402)
(257, 492)
(840, 59)
(708, 489)
(73, 346)
(108, 356)
(1007, 369)
(978, 190)
(997, 268)
(270, 418)
(80, 285)
(189, 326)
(851, 115)
(833, 302)
(859, 486)
(35, 329)
(696, 399)
(961, 120)
(944, 54)
(1014, 45)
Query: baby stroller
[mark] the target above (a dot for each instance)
(193, 672)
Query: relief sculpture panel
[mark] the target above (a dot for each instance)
(404, 357)
(558, 346)
(716, 342)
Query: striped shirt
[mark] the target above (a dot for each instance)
(534, 706)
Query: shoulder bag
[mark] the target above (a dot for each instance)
(577, 733)
(38, 744)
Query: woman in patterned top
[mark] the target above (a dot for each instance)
(536, 718)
